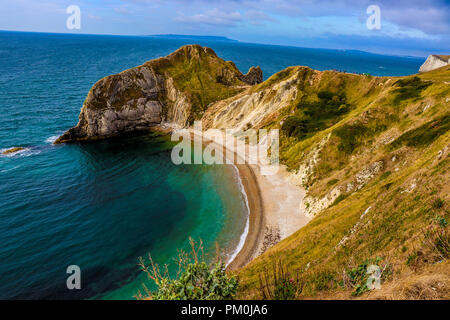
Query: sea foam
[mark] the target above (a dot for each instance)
(247, 223)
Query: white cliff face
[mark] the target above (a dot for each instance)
(434, 62)
(251, 109)
(179, 107)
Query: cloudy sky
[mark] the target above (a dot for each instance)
(408, 27)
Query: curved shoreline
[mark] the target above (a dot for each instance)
(273, 202)
(256, 217)
(247, 220)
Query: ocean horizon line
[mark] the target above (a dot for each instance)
(187, 37)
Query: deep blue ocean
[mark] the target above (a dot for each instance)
(102, 205)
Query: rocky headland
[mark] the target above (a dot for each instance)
(176, 89)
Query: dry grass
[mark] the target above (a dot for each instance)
(401, 196)
(430, 284)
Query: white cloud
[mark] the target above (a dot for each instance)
(257, 17)
(213, 17)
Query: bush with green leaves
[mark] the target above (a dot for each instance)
(358, 277)
(195, 279)
(286, 289)
(409, 88)
(438, 241)
(423, 135)
(313, 116)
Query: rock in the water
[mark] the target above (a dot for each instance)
(13, 150)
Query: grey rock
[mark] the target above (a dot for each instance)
(253, 76)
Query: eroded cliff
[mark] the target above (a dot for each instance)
(434, 62)
(175, 89)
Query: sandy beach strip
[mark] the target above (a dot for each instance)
(255, 204)
(256, 218)
(274, 205)
(273, 201)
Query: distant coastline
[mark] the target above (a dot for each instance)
(193, 37)
(225, 39)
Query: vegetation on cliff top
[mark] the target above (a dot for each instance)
(200, 74)
(395, 217)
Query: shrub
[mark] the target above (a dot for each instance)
(409, 88)
(438, 203)
(332, 182)
(358, 277)
(350, 135)
(411, 258)
(315, 116)
(438, 241)
(322, 280)
(339, 198)
(441, 221)
(423, 135)
(388, 185)
(195, 280)
(385, 175)
(294, 127)
(329, 105)
(282, 286)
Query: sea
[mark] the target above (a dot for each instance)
(102, 205)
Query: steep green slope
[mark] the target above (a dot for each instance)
(373, 154)
(201, 75)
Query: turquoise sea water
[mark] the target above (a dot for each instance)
(102, 205)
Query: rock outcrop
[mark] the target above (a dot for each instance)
(176, 89)
(12, 150)
(253, 76)
(121, 103)
(434, 62)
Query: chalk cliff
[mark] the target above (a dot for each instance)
(434, 62)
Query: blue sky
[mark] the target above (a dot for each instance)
(408, 27)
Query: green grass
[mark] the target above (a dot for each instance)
(424, 135)
(201, 75)
(409, 88)
(385, 175)
(397, 219)
(339, 199)
(313, 116)
(275, 78)
(332, 182)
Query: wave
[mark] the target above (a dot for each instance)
(10, 169)
(51, 139)
(247, 223)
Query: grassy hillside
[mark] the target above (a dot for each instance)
(200, 74)
(380, 147)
